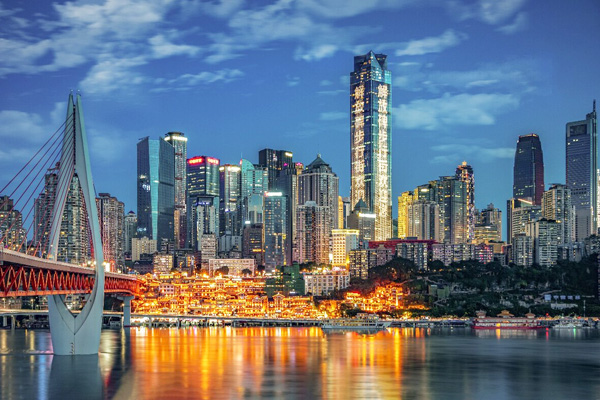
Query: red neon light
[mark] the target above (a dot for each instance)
(213, 161)
(196, 160)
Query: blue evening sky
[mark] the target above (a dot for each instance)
(237, 76)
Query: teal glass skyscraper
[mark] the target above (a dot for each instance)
(371, 139)
(155, 189)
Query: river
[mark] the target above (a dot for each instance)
(305, 363)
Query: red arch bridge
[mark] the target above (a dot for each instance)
(24, 275)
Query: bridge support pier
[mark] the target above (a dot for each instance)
(4, 320)
(126, 310)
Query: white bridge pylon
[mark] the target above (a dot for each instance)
(76, 334)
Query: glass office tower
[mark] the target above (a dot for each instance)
(528, 182)
(156, 189)
(582, 173)
(371, 139)
(179, 143)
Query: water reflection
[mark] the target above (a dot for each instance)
(294, 362)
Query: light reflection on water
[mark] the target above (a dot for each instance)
(306, 363)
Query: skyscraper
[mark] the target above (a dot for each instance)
(229, 190)
(371, 139)
(287, 184)
(313, 232)
(203, 187)
(528, 170)
(275, 229)
(556, 206)
(111, 214)
(156, 189)
(12, 234)
(274, 161)
(129, 231)
(582, 173)
(320, 184)
(451, 195)
(179, 143)
(464, 173)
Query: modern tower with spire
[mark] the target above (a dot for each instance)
(371, 139)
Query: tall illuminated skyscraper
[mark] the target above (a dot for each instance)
(320, 184)
(155, 188)
(528, 170)
(464, 173)
(179, 143)
(371, 139)
(274, 161)
(111, 214)
(582, 173)
(203, 189)
(230, 182)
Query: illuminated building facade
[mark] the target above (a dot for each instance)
(129, 232)
(342, 242)
(320, 184)
(323, 283)
(274, 161)
(179, 143)
(522, 250)
(464, 173)
(404, 200)
(287, 184)
(235, 266)
(141, 246)
(556, 206)
(12, 233)
(363, 221)
(520, 213)
(253, 243)
(203, 189)
(545, 235)
(582, 173)
(371, 139)
(230, 185)
(488, 225)
(528, 170)
(156, 189)
(275, 229)
(111, 215)
(313, 232)
(254, 184)
(424, 220)
(451, 195)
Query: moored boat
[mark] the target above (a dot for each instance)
(362, 322)
(506, 320)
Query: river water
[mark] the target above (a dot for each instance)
(305, 363)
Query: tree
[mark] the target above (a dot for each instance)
(223, 271)
(246, 272)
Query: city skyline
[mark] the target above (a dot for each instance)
(449, 106)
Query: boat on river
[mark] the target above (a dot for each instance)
(362, 322)
(506, 320)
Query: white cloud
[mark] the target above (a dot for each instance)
(316, 53)
(432, 44)
(333, 116)
(219, 8)
(349, 8)
(491, 12)
(520, 23)
(293, 81)
(162, 48)
(451, 110)
(204, 77)
(112, 75)
(26, 126)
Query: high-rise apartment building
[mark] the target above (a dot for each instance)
(342, 242)
(582, 173)
(556, 206)
(528, 169)
(253, 243)
(464, 173)
(129, 231)
(451, 195)
(313, 232)
(156, 189)
(275, 229)
(488, 225)
(111, 215)
(12, 234)
(362, 220)
(404, 200)
(424, 220)
(371, 139)
(545, 241)
(179, 143)
(520, 213)
(320, 184)
(287, 184)
(274, 161)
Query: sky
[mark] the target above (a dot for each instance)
(238, 76)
